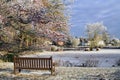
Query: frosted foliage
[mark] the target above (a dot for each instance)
(117, 40)
(75, 42)
(30, 3)
(96, 27)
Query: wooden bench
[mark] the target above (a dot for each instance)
(33, 63)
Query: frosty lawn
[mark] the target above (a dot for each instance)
(102, 58)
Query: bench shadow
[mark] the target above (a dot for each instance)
(6, 70)
(7, 74)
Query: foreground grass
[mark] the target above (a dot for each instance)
(62, 73)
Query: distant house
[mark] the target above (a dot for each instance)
(84, 42)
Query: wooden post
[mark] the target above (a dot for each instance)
(14, 65)
(51, 66)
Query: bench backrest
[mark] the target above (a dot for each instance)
(33, 63)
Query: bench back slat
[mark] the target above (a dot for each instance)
(33, 63)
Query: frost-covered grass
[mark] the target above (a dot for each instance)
(102, 58)
(61, 73)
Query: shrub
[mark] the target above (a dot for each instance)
(91, 63)
(75, 42)
(87, 49)
(9, 57)
(54, 48)
(118, 62)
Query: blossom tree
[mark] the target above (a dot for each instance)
(32, 22)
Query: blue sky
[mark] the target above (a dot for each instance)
(91, 11)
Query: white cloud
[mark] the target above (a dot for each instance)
(90, 11)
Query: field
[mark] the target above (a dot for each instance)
(70, 66)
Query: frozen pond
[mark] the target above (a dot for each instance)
(102, 58)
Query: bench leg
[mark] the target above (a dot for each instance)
(19, 70)
(14, 71)
(51, 72)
